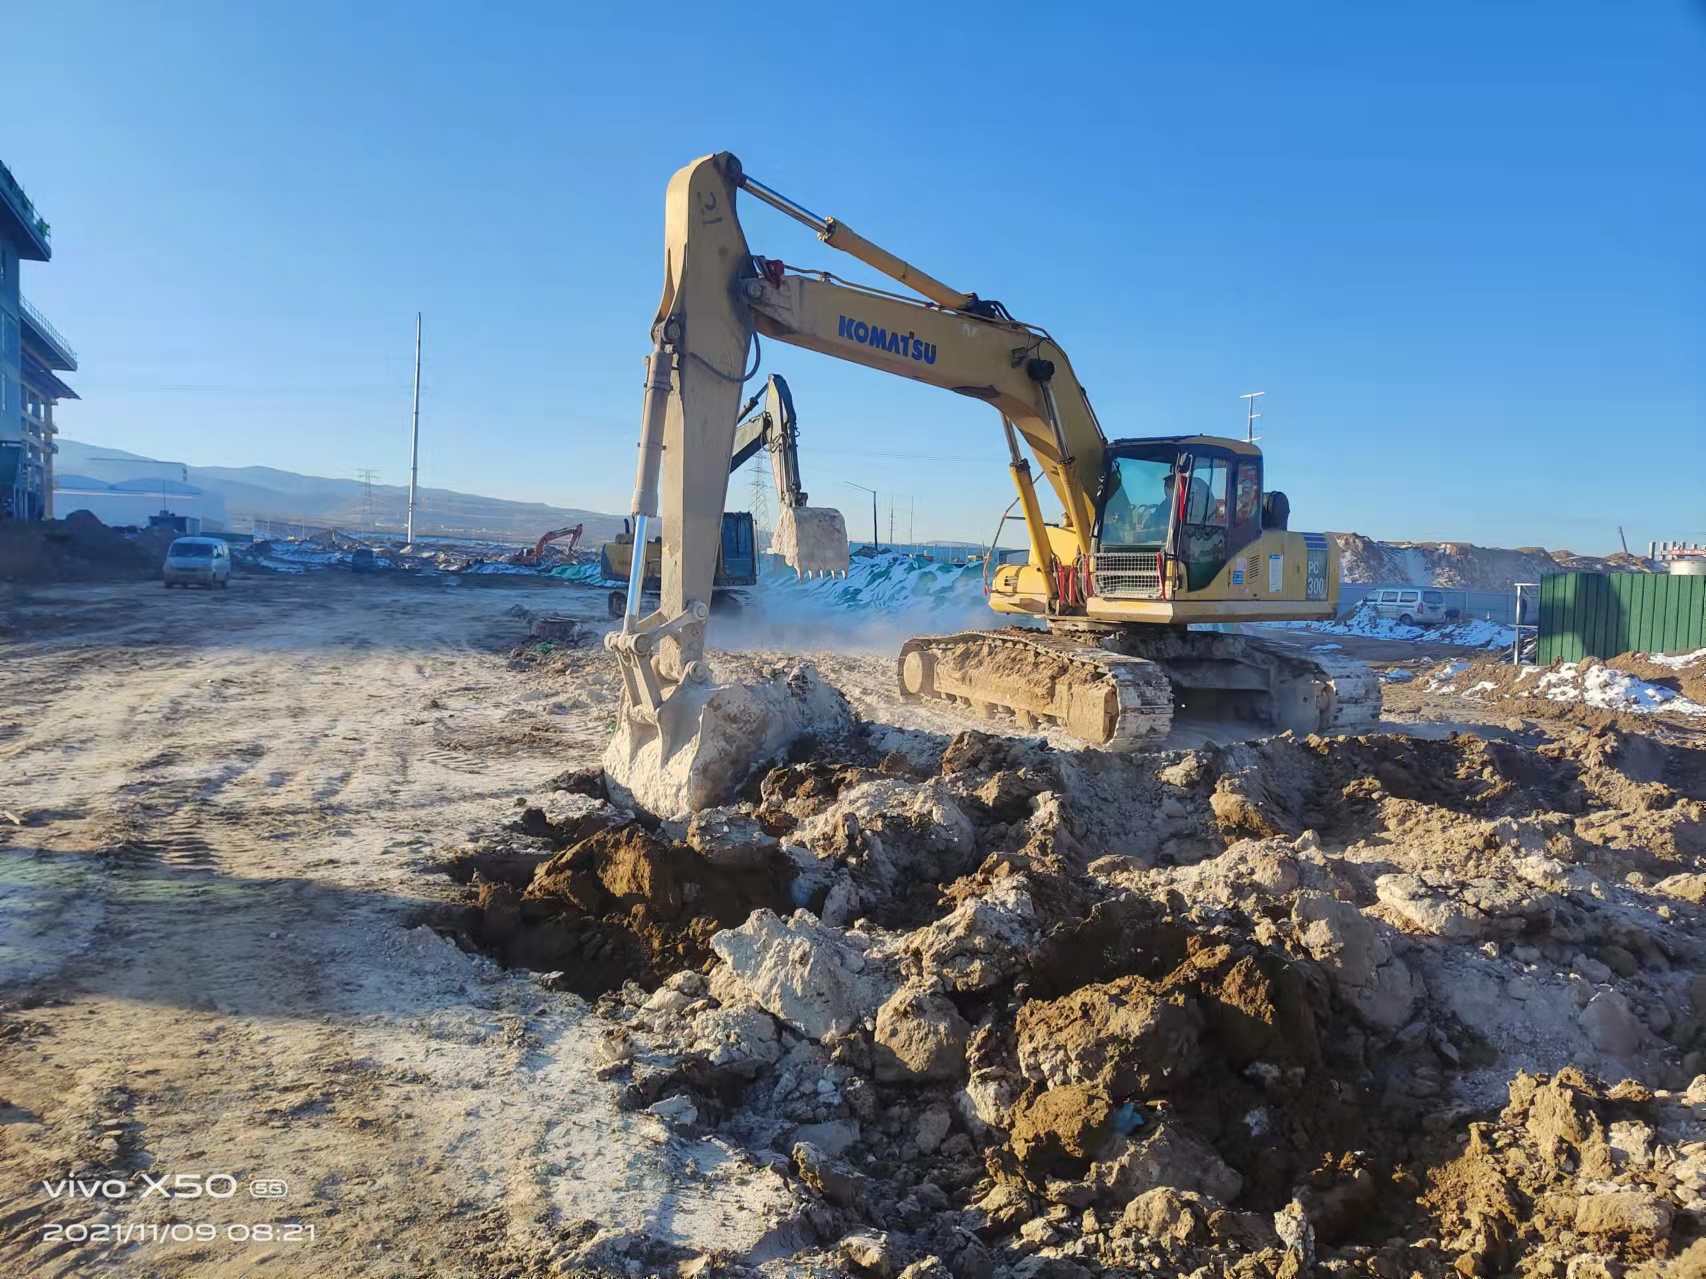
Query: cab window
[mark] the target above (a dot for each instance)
(1139, 503)
(1249, 493)
(1203, 542)
(1207, 504)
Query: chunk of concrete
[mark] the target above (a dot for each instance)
(1358, 959)
(979, 943)
(801, 972)
(740, 1037)
(731, 839)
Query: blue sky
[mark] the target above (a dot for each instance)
(1459, 245)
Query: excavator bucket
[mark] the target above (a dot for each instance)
(813, 540)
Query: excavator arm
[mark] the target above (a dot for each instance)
(767, 422)
(573, 533)
(813, 540)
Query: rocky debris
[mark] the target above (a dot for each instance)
(920, 1036)
(981, 942)
(1437, 903)
(873, 1253)
(1569, 1167)
(1300, 1006)
(815, 979)
(1357, 957)
(1124, 1036)
(1167, 1156)
(731, 839)
(737, 1037)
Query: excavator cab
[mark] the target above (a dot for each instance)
(1196, 500)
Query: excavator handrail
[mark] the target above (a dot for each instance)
(994, 543)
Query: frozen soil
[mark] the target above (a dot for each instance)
(316, 880)
(1386, 1005)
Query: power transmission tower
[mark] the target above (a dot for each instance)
(367, 475)
(759, 497)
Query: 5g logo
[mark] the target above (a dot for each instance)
(268, 1188)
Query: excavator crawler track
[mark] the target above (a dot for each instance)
(1119, 690)
(1104, 698)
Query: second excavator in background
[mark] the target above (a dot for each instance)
(536, 552)
(812, 540)
(1155, 535)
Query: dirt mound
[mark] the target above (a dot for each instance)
(1462, 565)
(1255, 1008)
(79, 548)
(1617, 692)
(621, 905)
(1341, 787)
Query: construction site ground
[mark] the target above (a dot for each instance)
(235, 835)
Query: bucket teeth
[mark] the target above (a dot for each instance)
(812, 539)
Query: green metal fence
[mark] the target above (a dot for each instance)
(1604, 614)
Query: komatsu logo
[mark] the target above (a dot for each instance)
(903, 344)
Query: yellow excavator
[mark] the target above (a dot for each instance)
(1156, 534)
(812, 540)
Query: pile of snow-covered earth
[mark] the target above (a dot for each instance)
(1367, 1006)
(1476, 632)
(1462, 565)
(1594, 684)
(1591, 683)
(298, 557)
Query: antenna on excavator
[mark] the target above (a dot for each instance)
(1250, 416)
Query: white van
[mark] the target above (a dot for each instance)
(206, 561)
(1411, 606)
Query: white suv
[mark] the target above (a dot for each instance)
(1412, 606)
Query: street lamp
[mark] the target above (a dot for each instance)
(873, 492)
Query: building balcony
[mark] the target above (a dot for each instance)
(31, 230)
(51, 347)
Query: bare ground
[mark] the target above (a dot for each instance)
(231, 805)
(224, 833)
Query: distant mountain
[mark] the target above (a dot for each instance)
(269, 495)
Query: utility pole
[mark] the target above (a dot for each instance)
(891, 519)
(415, 433)
(1250, 415)
(367, 475)
(875, 542)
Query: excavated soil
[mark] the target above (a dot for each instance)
(1373, 1005)
(614, 906)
